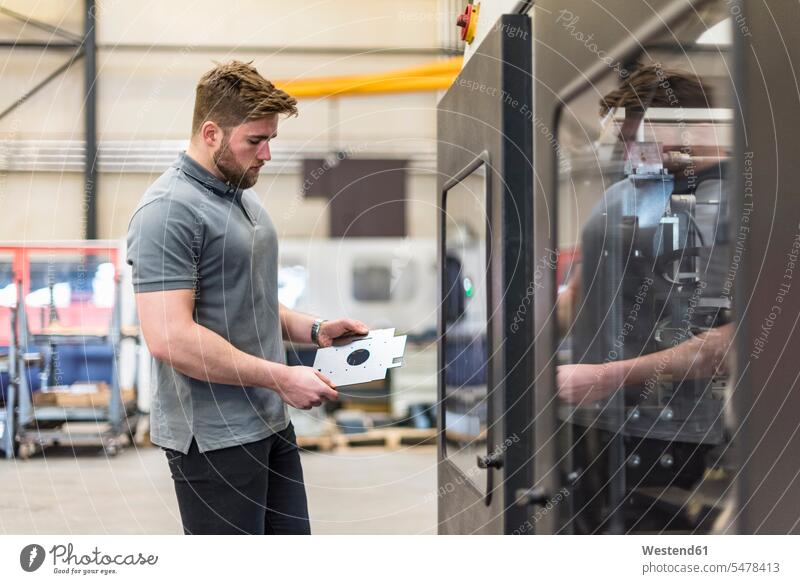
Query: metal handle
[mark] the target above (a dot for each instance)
(533, 496)
(490, 461)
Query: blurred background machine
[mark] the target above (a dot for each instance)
(74, 353)
(70, 346)
(386, 283)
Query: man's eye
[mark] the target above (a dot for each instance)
(254, 142)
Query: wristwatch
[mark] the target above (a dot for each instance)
(315, 331)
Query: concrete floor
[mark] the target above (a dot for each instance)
(79, 490)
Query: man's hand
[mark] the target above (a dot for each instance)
(331, 330)
(586, 383)
(701, 356)
(304, 388)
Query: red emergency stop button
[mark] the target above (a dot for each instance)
(468, 22)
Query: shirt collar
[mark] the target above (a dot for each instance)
(194, 169)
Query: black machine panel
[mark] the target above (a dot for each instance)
(484, 162)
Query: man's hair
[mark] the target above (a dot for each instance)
(652, 86)
(233, 93)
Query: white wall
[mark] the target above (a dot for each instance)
(148, 64)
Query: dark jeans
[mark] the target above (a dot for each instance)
(254, 488)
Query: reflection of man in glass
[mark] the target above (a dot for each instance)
(618, 304)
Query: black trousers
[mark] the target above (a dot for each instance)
(254, 488)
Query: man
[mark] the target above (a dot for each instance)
(205, 257)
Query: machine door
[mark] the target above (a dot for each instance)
(485, 253)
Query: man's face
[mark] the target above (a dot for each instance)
(244, 150)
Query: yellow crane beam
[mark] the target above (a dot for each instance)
(428, 77)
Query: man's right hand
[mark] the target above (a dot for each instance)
(305, 387)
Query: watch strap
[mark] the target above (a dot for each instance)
(315, 330)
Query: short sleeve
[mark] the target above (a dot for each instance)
(165, 238)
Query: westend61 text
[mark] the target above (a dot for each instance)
(692, 550)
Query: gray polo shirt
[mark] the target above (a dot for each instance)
(194, 231)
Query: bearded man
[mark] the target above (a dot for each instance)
(204, 255)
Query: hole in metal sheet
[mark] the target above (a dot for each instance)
(357, 357)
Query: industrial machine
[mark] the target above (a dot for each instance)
(387, 282)
(604, 370)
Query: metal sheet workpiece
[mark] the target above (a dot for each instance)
(364, 359)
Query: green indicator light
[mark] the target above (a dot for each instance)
(468, 287)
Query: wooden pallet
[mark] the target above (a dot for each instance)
(322, 443)
(80, 395)
(389, 438)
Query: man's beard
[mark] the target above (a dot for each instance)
(232, 171)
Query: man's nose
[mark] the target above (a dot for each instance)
(263, 152)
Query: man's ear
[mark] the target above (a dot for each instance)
(211, 134)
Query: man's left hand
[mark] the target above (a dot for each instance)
(343, 328)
